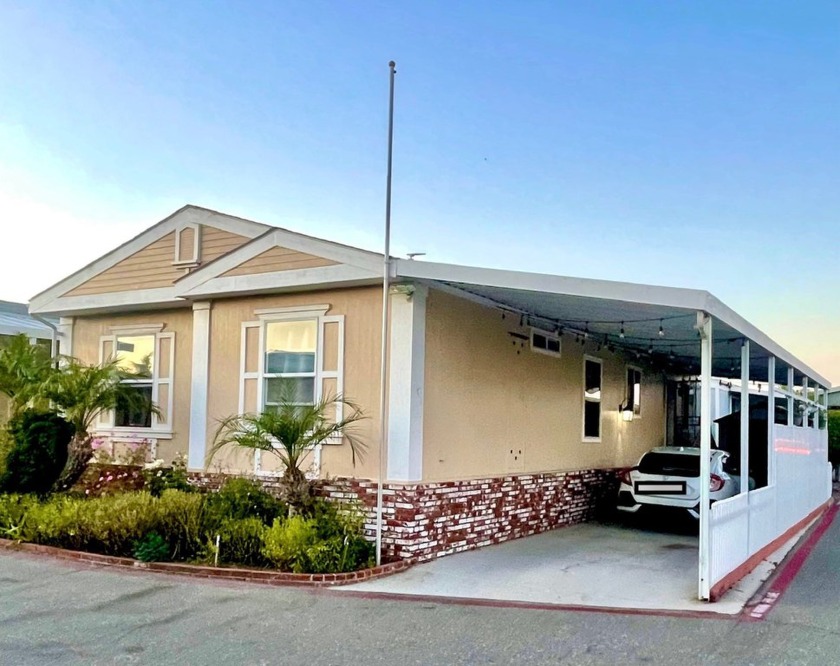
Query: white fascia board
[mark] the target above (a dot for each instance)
(692, 299)
(186, 215)
(727, 315)
(280, 238)
(343, 254)
(322, 277)
(629, 292)
(141, 299)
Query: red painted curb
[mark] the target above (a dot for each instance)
(266, 577)
(787, 572)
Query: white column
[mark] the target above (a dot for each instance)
(790, 401)
(745, 416)
(65, 335)
(406, 383)
(771, 421)
(704, 323)
(199, 385)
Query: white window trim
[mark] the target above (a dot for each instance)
(156, 430)
(138, 329)
(641, 383)
(294, 313)
(194, 260)
(548, 336)
(600, 401)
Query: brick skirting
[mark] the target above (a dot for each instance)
(429, 520)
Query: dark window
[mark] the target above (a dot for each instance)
(135, 410)
(543, 342)
(592, 400)
(592, 419)
(671, 464)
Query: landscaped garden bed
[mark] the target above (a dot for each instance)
(53, 499)
(241, 524)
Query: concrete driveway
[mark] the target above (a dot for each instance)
(612, 566)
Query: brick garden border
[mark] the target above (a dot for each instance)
(263, 576)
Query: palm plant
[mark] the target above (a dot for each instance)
(24, 370)
(81, 392)
(289, 431)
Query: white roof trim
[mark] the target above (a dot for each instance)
(675, 297)
(118, 300)
(43, 302)
(341, 254)
(321, 277)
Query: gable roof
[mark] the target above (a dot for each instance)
(230, 273)
(189, 214)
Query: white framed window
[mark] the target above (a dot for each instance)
(147, 356)
(543, 342)
(633, 394)
(592, 382)
(292, 353)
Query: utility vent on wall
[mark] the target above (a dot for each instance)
(188, 246)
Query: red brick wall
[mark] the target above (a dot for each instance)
(428, 520)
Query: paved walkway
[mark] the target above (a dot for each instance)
(584, 565)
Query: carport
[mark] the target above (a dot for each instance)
(689, 334)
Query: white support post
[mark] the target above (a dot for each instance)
(199, 385)
(65, 336)
(704, 323)
(405, 382)
(771, 421)
(745, 416)
(791, 403)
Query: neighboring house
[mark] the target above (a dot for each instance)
(834, 398)
(14, 320)
(513, 398)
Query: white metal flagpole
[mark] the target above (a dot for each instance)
(386, 301)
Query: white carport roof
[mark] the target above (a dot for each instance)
(15, 319)
(602, 308)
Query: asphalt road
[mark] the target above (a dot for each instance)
(53, 612)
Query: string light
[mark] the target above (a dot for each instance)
(661, 330)
(621, 335)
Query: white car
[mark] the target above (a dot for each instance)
(669, 476)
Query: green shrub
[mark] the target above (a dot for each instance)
(38, 452)
(160, 478)
(241, 542)
(13, 512)
(330, 541)
(242, 498)
(183, 518)
(108, 525)
(834, 436)
(151, 548)
(287, 544)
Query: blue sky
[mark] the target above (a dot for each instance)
(688, 144)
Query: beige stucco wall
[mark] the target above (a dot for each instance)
(485, 395)
(87, 332)
(362, 310)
